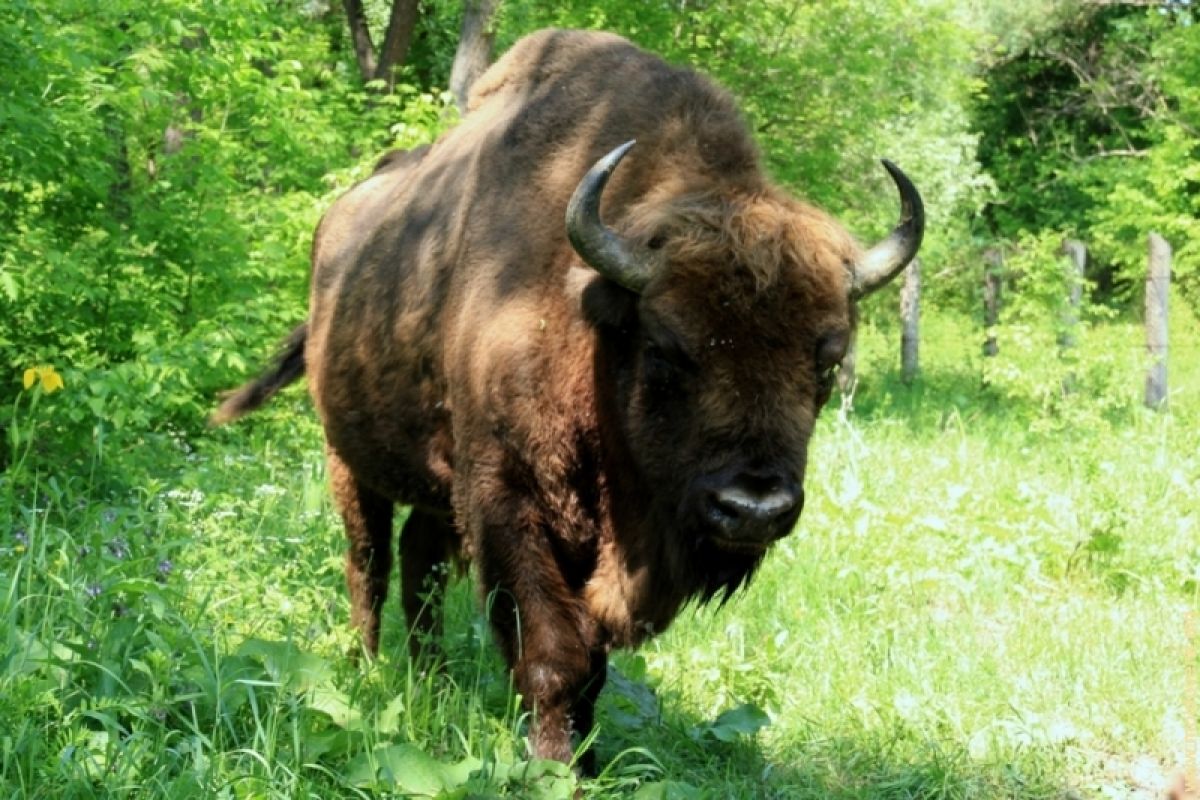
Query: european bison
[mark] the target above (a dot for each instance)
(608, 418)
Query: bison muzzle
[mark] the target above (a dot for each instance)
(590, 366)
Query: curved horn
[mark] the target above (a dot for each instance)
(885, 260)
(611, 255)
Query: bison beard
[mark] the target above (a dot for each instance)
(608, 415)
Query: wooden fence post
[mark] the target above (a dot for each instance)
(1076, 251)
(910, 315)
(847, 379)
(993, 261)
(1158, 284)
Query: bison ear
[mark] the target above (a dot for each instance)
(607, 305)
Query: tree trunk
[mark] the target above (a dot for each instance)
(400, 29)
(1158, 283)
(364, 49)
(475, 42)
(910, 314)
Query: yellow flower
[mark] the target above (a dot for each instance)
(51, 381)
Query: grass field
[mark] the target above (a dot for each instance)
(988, 596)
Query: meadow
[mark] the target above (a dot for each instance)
(992, 593)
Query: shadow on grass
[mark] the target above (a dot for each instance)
(809, 762)
(650, 742)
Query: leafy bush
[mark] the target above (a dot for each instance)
(168, 165)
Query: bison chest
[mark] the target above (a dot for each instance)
(629, 596)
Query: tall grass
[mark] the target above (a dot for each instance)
(985, 597)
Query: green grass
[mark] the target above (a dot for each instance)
(986, 597)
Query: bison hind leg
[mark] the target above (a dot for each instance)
(425, 553)
(368, 519)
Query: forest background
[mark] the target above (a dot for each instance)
(161, 171)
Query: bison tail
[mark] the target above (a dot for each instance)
(288, 366)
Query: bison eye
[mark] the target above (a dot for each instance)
(830, 351)
(656, 242)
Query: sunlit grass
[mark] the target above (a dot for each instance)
(985, 597)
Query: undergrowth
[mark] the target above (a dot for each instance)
(986, 596)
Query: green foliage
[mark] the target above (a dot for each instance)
(1090, 129)
(164, 170)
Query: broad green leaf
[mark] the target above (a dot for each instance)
(541, 779)
(668, 790)
(744, 720)
(290, 667)
(407, 769)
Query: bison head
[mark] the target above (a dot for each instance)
(726, 314)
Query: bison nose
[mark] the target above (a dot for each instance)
(753, 507)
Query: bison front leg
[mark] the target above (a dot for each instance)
(545, 635)
(368, 519)
(585, 706)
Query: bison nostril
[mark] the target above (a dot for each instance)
(723, 512)
(737, 505)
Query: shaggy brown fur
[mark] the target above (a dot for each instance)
(1183, 787)
(563, 432)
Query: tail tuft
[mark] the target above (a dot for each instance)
(288, 367)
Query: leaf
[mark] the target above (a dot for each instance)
(407, 769)
(226, 690)
(336, 705)
(668, 790)
(304, 673)
(631, 704)
(287, 665)
(328, 742)
(746, 719)
(541, 779)
(388, 722)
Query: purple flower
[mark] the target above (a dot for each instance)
(119, 548)
(21, 536)
(93, 590)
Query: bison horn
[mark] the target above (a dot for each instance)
(613, 256)
(885, 260)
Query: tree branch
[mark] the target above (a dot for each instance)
(1120, 153)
